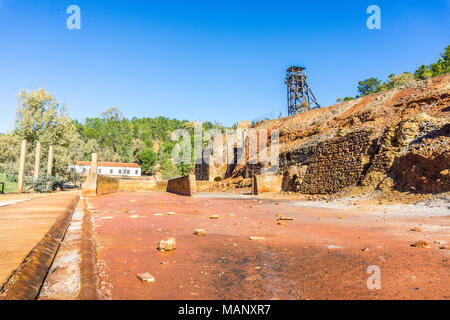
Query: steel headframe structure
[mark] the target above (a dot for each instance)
(299, 94)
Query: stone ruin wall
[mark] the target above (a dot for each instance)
(329, 166)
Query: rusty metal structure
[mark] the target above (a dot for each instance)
(299, 94)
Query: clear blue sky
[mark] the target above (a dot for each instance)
(207, 60)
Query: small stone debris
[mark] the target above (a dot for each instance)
(365, 249)
(279, 215)
(257, 238)
(158, 214)
(253, 278)
(332, 246)
(146, 277)
(132, 201)
(421, 244)
(342, 217)
(444, 247)
(171, 213)
(281, 223)
(231, 215)
(214, 217)
(158, 230)
(416, 229)
(110, 217)
(167, 245)
(277, 203)
(200, 232)
(286, 218)
(134, 216)
(440, 242)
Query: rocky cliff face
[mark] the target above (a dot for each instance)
(393, 140)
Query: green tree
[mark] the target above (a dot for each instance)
(369, 86)
(423, 72)
(39, 117)
(147, 161)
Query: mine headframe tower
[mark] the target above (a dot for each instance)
(299, 94)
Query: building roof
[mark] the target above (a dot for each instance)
(109, 164)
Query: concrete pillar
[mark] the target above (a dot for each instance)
(50, 161)
(37, 161)
(94, 163)
(90, 185)
(23, 154)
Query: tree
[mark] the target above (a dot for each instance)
(369, 86)
(423, 72)
(39, 117)
(396, 81)
(112, 114)
(147, 161)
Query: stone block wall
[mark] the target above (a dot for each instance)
(183, 186)
(107, 184)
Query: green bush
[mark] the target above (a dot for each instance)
(46, 183)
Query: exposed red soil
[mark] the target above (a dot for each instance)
(293, 262)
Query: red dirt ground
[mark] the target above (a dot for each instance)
(293, 262)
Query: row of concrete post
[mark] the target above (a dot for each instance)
(37, 164)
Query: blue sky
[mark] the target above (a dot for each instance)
(207, 60)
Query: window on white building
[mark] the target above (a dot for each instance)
(111, 171)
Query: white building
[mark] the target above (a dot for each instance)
(108, 168)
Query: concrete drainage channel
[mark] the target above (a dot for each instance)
(72, 275)
(26, 281)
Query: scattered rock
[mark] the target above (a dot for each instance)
(159, 230)
(281, 223)
(365, 249)
(253, 278)
(171, 213)
(158, 214)
(167, 245)
(440, 242)
(421, 244)
(332, 246)
(416, 229)
(286, 218)
(214, 216)
(146, 277)
(134, 216)
(444, 247)
(199, 232)
(279, 215)
(257, 238)
(342, 217)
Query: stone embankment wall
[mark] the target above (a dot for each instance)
(266, 183)
(183, 185)
(107, 184)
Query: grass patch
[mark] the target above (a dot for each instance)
(9, 185)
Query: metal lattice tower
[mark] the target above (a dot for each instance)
(299, 94)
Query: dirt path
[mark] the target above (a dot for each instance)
(316, 256)
(25, 223)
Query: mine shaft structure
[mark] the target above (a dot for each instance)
(299, 94)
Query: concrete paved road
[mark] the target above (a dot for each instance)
(25, 223)
(319, 255)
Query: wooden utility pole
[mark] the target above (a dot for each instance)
(23, 154)
(37, 162)
(50, 161)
